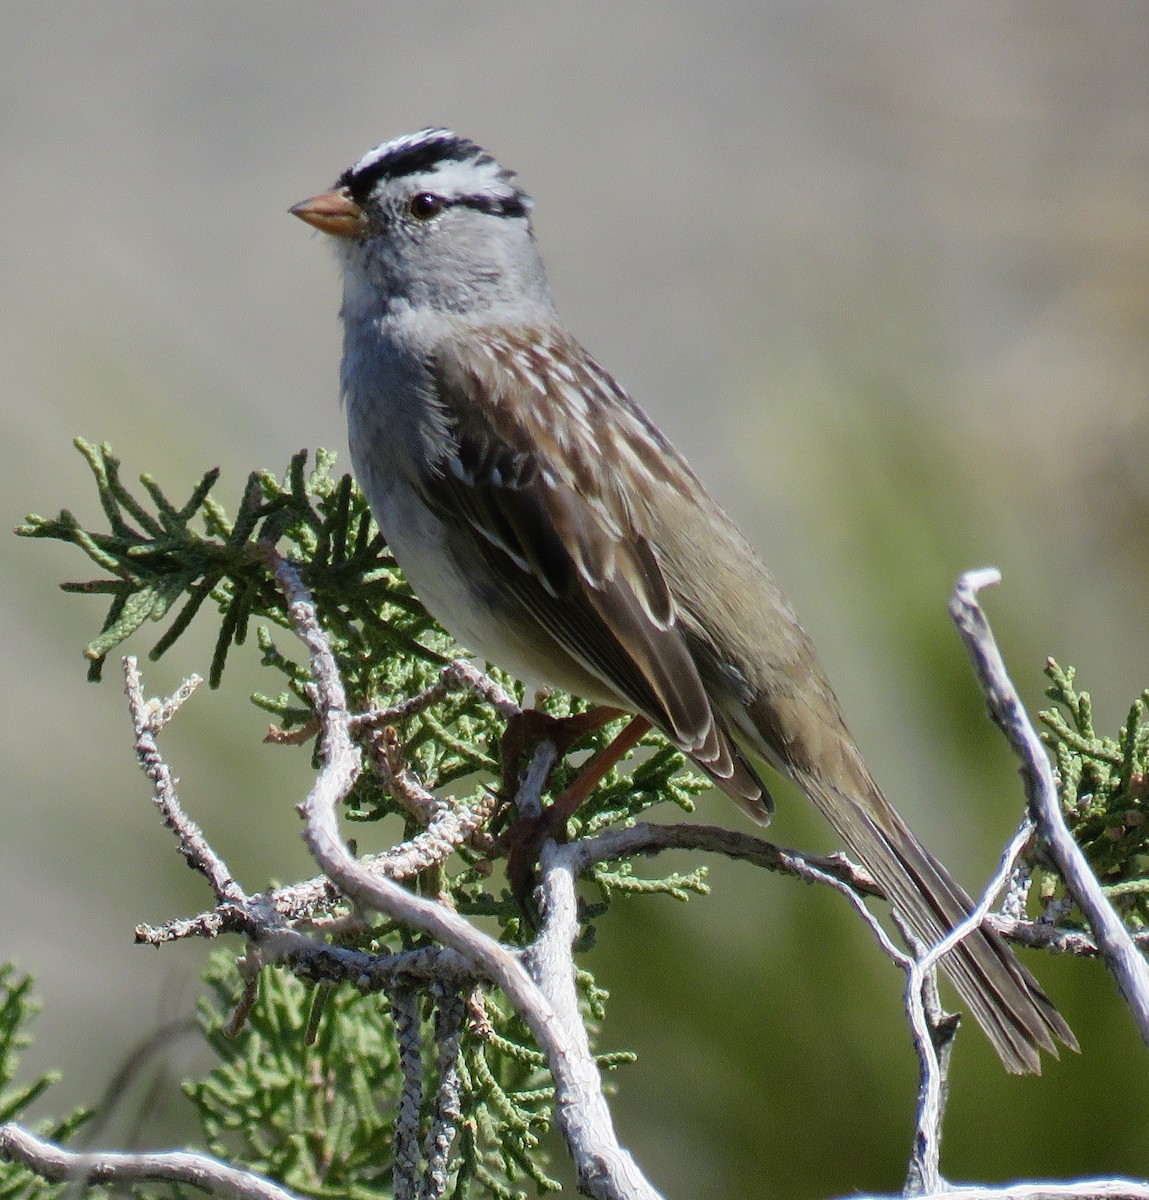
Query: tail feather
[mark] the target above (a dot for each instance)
(1008, 1003)
(781, 708)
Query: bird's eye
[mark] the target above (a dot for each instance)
(424, 205)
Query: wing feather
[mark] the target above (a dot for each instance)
(546, 506)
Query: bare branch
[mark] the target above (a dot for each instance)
(449, 825)
(934, 1032)
(226, 918)
(921, 993)
(405, 1005)
(993, 889)
(450, 1012)
(1081, 1189)
(148, 718)
(645, 838)
(385, 754)
(609, 1170)
(1121, 956)
(457, 676)
(529, 797)
(202, 1171)
(1039, 936)
(249, 966)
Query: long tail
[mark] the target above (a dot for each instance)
(1009, 1004)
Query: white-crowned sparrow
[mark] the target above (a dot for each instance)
(550, 526)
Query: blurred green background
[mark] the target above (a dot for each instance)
(881, 270)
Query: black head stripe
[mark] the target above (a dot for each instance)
(408, 156)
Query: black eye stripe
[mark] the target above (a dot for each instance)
(496, 206)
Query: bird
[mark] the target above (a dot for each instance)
(552, 528)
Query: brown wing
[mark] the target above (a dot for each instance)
(559, 512)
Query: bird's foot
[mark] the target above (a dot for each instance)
(523, 841)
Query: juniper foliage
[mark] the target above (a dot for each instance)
(1103, 783)
(307, 1092)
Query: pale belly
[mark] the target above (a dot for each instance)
(476, 608)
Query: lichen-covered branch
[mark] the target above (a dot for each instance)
(1079, 1189)
(202, 1171)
